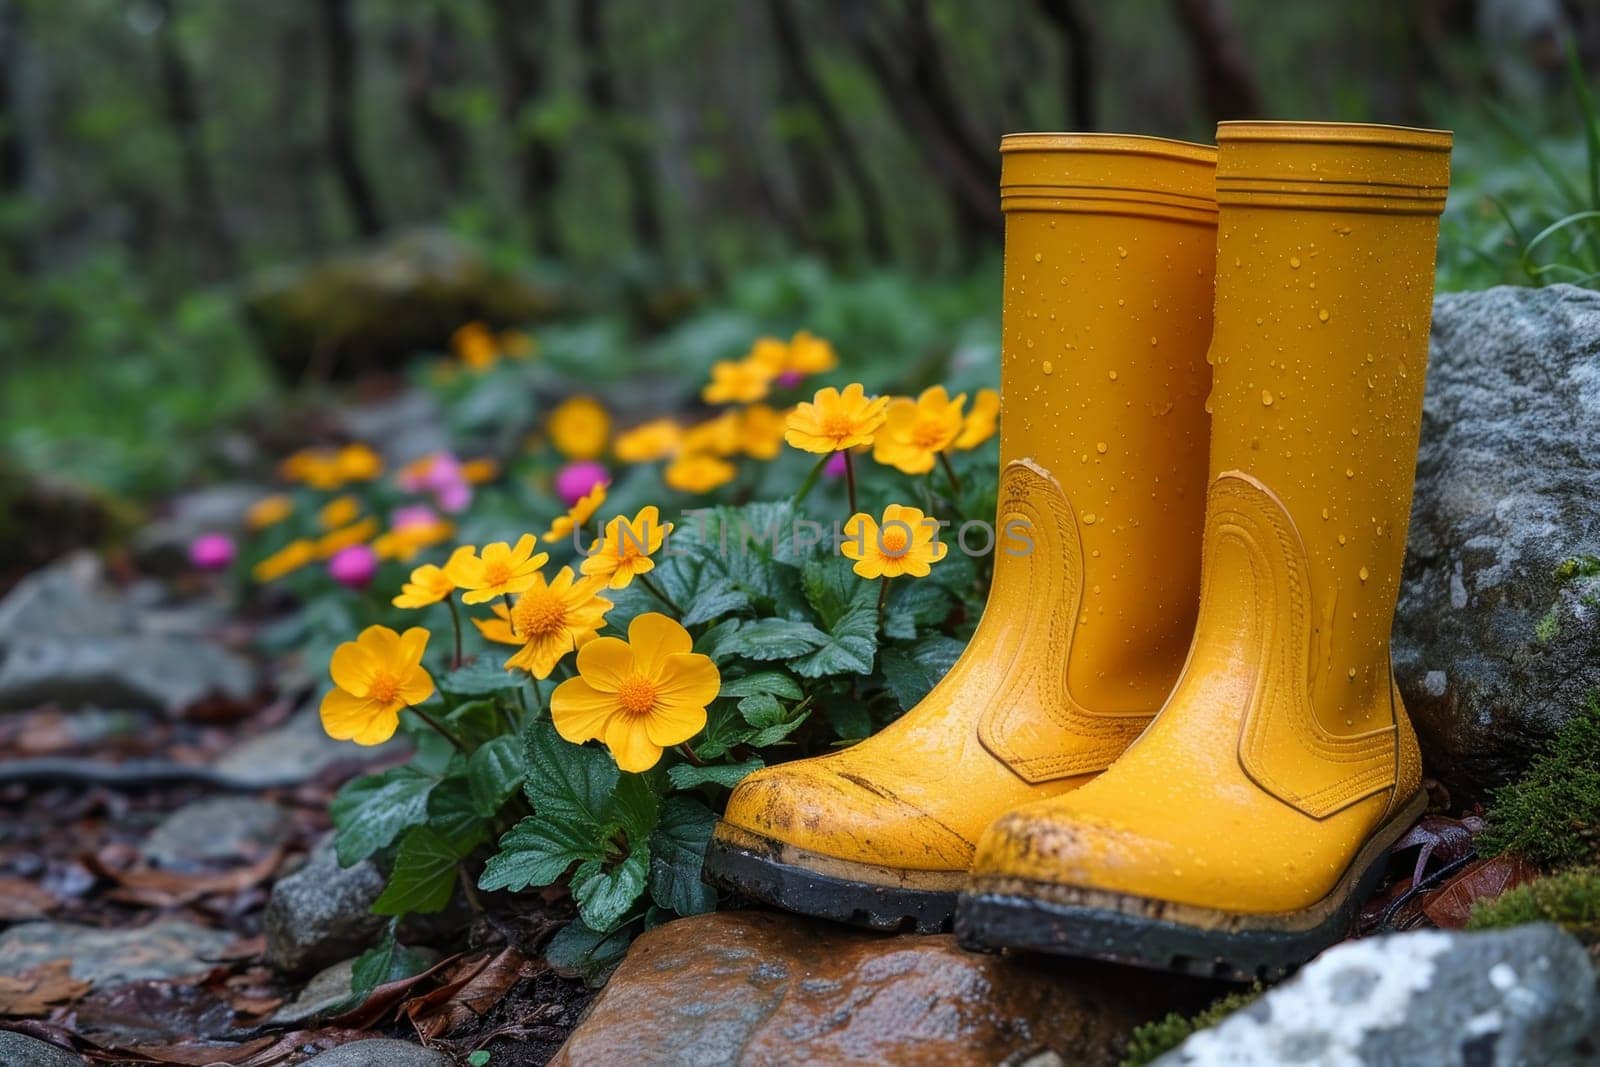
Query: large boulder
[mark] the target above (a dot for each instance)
(1497, 634)
(1520, 996)
(748, 988)
(374, 308)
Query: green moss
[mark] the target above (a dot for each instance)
(1547, 627)
(1585, 566)
(1154, 1039)
(1551, 815)
(1570, 899)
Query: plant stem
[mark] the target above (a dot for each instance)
(438, 728)
(689, 754)
(811, 480)
(883, 598)
(660, 594)
(950, 472)
(511, 618)
(850, 478)
(455, 622)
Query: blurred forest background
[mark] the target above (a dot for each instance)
(204, 203)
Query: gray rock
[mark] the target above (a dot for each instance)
(299, 750)
(379, 1052)
(403, 427)
(1520, 996)
(1497, 636)
(321, 914)
(171, 948)
(216, 831)
(68, 637)
(327, 990)
(19, 1050)
(162, 546)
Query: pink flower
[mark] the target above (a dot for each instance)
(790, 378)
(454, 497)
(575, 480)
(835, 466)
(412, 515)
(353, 566)
(212, 552)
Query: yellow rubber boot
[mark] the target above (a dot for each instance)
(1241, 832)
(1106, 319)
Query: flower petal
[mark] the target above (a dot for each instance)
(653, 637)
(353, 668)
(412, 644)
(580, 712)
(687, 680)
(417, 686)
(630, 745)
(350, 718)
(606, 663)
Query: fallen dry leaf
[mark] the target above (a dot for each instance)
(37, 991)
(383, 999)
(22, 899)
(468, 993)
(160, 888)
(1449, 906)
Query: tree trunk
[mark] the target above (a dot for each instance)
(429, 58)
(600, 89)
(796, 60)
(182, 104)
(1077, 41)
(538, 166)
(340, 39)
(299, 154)
(1225, 80)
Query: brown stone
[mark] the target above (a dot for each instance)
(756, 988)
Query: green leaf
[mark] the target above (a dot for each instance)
(453, 814)
(476, 722)
(909, 675)
(424, 875)
(700, 587)
(677, 852)
(567, 782)
(388, 961)
(604, 896)
(494, 772)
(725, 728)
(833, 590)
(771, 639)
(850, 648)
(776, 683)
(479, 1058)
(772, 721)
(590, 955)
(721, 641)
(688, 776)
(912, 604)
(370, 812)
(634, 807)
(538, 850)
(481, 677)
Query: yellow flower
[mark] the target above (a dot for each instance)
(698, 472)
(340, 511)
(916, 431)
(737, 382)
(625, 548)
(804, 354)
(761, 432)
(314, 467)
(478, 471)
(648, 442)
(498, 570)
(980, 421)
(518, 345)
(268, 511)
(288, 559)
(577, 515)
(475, 346)
(375, 676)
(720, 436)
(835, 420)
(429, 584)
(358, 463)
(906, 543)
(404, 542)
(638, 696)
(354, 534)
(579, 428)
(548, 621)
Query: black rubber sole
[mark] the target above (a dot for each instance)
(797, 889)
(989, 921)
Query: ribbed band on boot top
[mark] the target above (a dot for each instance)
(1333, 166)
(1108, 173)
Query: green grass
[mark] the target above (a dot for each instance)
(1551, 815)
(1154, 1039)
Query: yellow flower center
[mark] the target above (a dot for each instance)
(894, 541)
(540, 614)
(497, 573)
(637, 696)
(927, 435)
(385, 688)
(837, 424)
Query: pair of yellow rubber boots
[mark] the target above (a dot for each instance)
(1175, 738)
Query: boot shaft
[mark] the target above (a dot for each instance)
(1106, 319)
(1324, 291)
